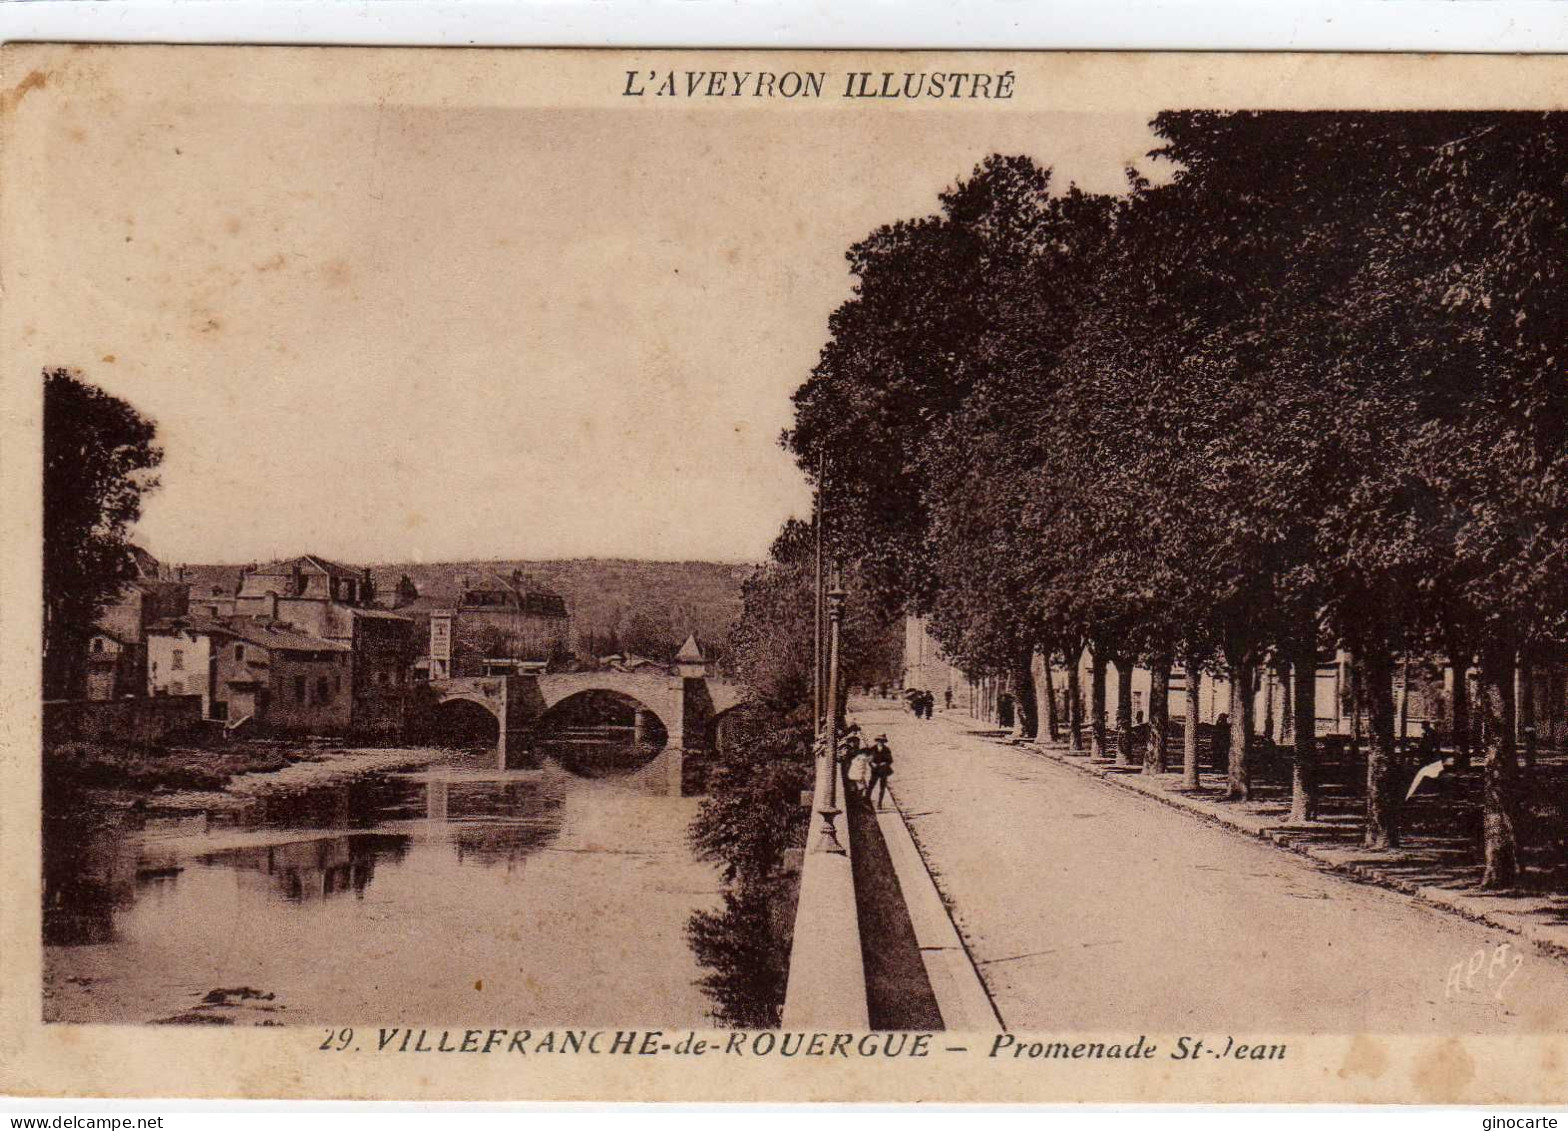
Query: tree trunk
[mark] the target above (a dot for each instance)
(1096, 704)
(1189, 741)
(1159, 716)
(1045, 693)
(1382, 828)
(1074, 702)
(1404, 700)
(1499, 835)
(1123, 711)
(1025, 705)
(1238, 785)
(1357, 700)
(1288, 704)
(1303, 764)
(1266, 678)
(1525, 740)
(1459, 664)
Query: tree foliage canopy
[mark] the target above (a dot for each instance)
(1301, 385)
(99, 453)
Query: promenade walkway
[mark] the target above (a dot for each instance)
(1086, 906)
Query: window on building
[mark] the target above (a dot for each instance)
(323, 690)
(97, 644)
(239, 652)
(337, 684)
(299, 688)
(177, 662)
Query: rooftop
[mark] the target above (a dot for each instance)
(691, 652)
(309, 563)
(253, 631)
(377, 614)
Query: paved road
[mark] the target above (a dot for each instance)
(1088, 907)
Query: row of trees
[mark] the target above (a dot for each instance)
(1301, 389)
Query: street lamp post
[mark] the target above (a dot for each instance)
(817, 658)
(830, 810)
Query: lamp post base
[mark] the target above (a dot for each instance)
(827, 835)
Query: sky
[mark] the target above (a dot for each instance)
(415, 331)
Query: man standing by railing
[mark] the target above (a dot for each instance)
(881, 769)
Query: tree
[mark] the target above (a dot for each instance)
(746, 824)
(1472, 275)
(98, 456)
(772, 641)
(941, 303)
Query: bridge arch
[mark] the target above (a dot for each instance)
(683, 702)
(464, 720)
(599, 732)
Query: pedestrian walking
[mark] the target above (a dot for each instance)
(881, 769)
(860, 773)
(947, 697)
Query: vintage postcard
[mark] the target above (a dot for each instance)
(783, 576)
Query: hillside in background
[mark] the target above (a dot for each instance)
(644, 607)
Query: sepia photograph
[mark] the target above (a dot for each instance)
(865, 577)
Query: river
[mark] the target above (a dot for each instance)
(450, 895)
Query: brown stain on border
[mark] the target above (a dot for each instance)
(11, 99)
(1442, 1074)
(1365, 1057)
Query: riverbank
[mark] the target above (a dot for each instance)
(324, 767)
(192, 779)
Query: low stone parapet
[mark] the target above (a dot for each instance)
(827, 975)
(122, 720)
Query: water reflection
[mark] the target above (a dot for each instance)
(601, 751)
(314, 869)
(90, 871)
(494, 822)
(98, 864)
(564, 896)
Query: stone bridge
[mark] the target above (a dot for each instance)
(685, 702)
